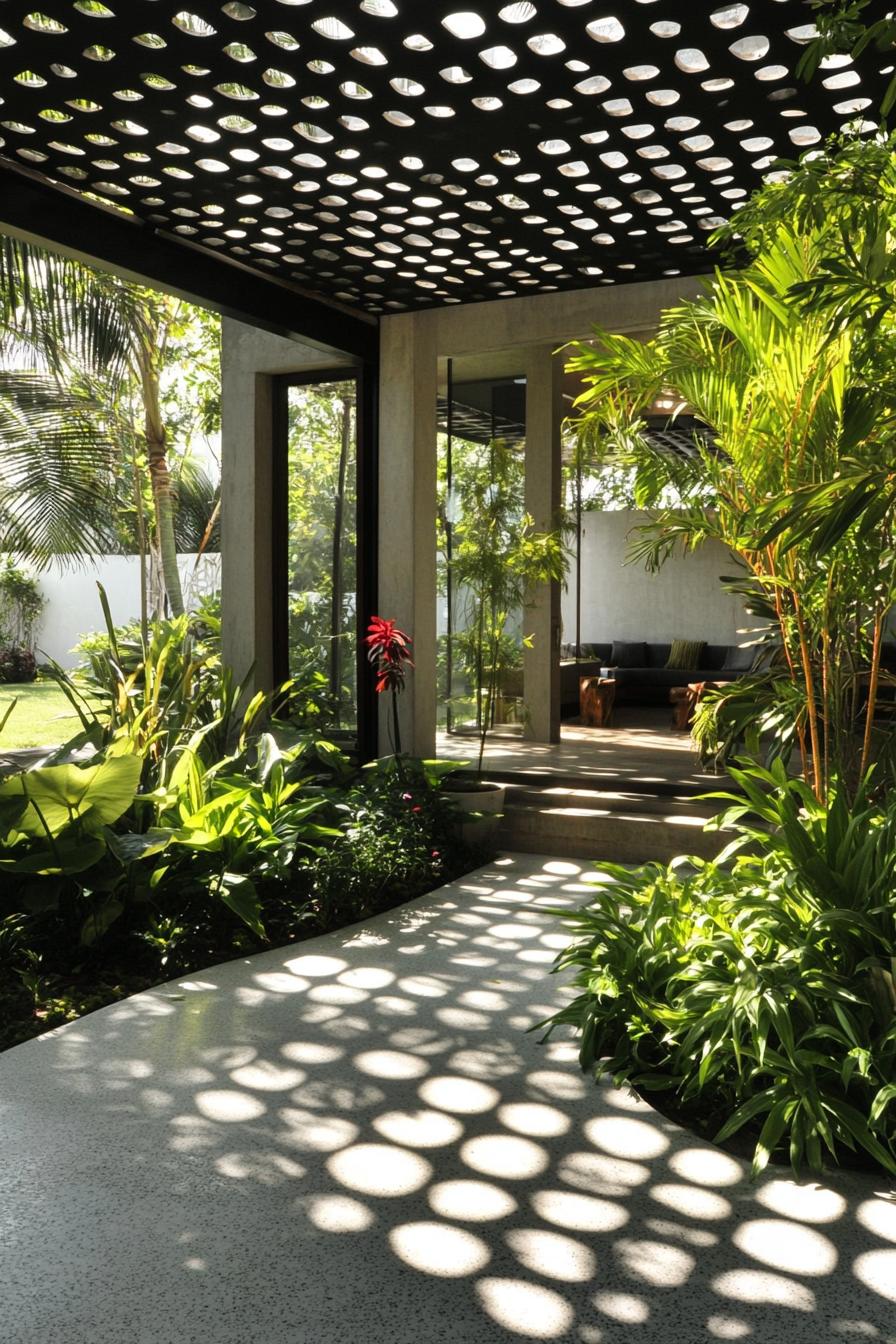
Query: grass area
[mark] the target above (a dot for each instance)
(42, 715)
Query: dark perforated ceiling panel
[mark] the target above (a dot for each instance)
(404, 154)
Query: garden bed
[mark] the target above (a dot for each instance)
(55, 979)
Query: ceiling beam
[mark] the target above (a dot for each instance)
(58, 218)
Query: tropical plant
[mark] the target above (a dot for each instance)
(185, 825)
(802, 419)
(755, 991)
(842, 28)
(389, 652)
(21, 603)
(197, 519)
(498, 559)
(398, 837)
(86, 407)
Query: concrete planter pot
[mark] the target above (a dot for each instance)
(480, 807)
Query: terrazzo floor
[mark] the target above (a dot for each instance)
(355, 1139)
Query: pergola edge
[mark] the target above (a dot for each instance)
(58, 218)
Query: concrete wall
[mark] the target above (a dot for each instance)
(73, 604)
(683, 601)
(250, 358)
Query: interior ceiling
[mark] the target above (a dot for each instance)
(483, 409)
(397, 155)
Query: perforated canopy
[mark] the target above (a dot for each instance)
(404, 154)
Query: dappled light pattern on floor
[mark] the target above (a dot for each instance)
(640, 748)
(355, 1139)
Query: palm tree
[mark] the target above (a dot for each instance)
(794, 475)
(81, 361)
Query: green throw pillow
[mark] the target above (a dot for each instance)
(686, 654)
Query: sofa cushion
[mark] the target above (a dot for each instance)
(686, 654)
(626, 653)
(738, 659)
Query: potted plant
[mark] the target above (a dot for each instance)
(498, 559)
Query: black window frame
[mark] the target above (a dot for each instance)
(366, 530)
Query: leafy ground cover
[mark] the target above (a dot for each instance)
(42, 715)
(756, 992)
(183, 826)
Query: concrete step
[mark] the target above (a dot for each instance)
(615, 826)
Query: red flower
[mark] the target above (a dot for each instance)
(389, 649)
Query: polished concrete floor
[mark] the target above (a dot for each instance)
(357, 1140)
(640, 748)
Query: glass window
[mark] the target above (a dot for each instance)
(321, 427)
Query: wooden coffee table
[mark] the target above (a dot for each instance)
(681, 702)
(596, 698)
(685, 699)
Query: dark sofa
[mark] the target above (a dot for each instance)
(650, 684)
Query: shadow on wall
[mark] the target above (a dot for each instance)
(358, 1141)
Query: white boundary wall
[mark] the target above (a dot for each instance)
(73, 604)
(685, 600)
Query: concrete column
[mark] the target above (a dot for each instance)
(544, 415)
(246, 553)
(250, 359)
(407, 523)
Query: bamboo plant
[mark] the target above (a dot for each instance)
(499, 558)
(795, 473)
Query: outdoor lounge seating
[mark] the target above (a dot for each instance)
(650, 681)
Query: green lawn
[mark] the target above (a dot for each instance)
(42, 716)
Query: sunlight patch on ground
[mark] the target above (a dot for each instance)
(470, 1201)
(623, 1137)
(877, 1270)
(229, 1107)
(338, 1213)
(462, 1096)
(418, 1129)
(578, 1213)
(552, 1255)
(524, 1308)
(785, 1245)
(764, 1289)
(379, 1169)
(436, 1248)
(390, 1064)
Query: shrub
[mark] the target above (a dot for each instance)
(21, 603)
(17, 664)
(756, 990)
(398, 838)
(200, 631)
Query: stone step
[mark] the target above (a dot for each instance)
(619, 827)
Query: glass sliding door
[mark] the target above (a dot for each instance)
(318, 551)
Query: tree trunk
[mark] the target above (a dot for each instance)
(336, 598)
(141, 542)
(159, 475)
